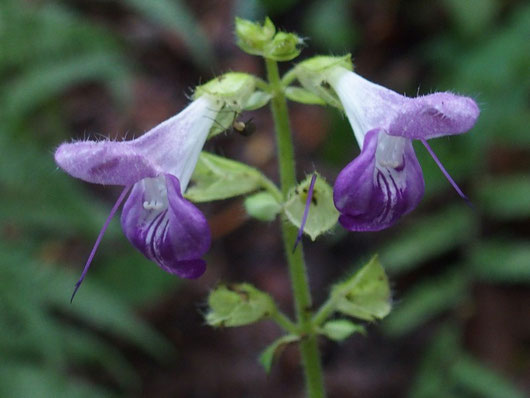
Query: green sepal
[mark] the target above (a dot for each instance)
(238, 305)
(262, 206)
(313, 75)
(303, 96)
(322, 212)
(232, 92)
(216, 178)
(273, 351)
(364, 295)
(340, 329)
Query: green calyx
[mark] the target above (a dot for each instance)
(313, 74)
(238, 305)
(322, 212)
(233, 93)
(365, 294)
(322, 63)
(233, 89)
(263, 40)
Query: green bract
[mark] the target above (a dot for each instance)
(340, 329)
(257, 100)
(238, 305)
(322, 213)
(303, 96)
(262, 40)
(312, 75)
(216, 178)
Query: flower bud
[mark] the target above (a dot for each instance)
(284, 47)
(252, 37)
(262, 40)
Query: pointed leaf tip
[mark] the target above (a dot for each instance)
(273, 351)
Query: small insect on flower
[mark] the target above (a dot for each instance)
(156, 169)
(246, 129)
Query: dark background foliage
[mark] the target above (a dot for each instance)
(80, 68)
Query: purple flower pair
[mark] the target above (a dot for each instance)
(385, 181)
(156, 219)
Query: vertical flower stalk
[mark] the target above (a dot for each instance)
(297, 268)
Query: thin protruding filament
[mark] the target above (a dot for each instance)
(446, 174)
(306, 210)
(98, 239)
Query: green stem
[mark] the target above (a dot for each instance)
(297, 269)
(325, 311)
(284, 322)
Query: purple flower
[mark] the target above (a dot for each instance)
(385, 181)
(156, 219)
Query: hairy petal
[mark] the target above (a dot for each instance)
(382, 184)
(165, 227)
(104, 162)
(367, 105)
(172, 147)
(434, 115)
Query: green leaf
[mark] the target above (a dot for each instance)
(501, 261)
(303, 96)
(340, 329)
(506, 197)
(262, 206)
(217, 178)
(481, 381)
(429, 237)
(366, 294)
(238, 305)
(426, 300)
(273, 351)
(322, 212)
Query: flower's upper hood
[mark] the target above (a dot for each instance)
(172, 147)
(369, 106)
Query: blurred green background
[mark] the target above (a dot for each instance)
(82, 68)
